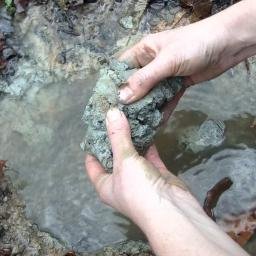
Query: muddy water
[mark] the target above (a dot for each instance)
(180, 158)
(42, 131)
(41, 134)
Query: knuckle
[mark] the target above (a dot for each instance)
(118, 130)
(141, 77)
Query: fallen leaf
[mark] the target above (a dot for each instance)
(240, 228)
(201, 8)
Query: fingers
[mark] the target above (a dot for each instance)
(153, 156)
(171, 105)
(141, 53)
(119, 135)
(94, 169)
(99, 178)
(142, 81)
(130, 57)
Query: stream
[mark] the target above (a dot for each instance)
(41, 131)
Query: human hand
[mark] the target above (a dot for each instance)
(198, 52)
(137, 184)
(155, 199)
(192, 52)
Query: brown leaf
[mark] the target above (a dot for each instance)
(240, 228)
(241, 238)
(187, 3)
(201, 8)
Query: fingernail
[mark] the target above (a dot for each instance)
(113, 115)
(125, 94)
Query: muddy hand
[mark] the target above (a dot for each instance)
(134, 179)
(197, 52)
(156, 200)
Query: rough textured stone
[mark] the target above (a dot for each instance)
(144, 115)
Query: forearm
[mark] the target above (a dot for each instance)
(179, 227)
(239, 24)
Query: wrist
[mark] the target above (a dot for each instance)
(177, 225)
(239, 22)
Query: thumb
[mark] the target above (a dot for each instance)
(119, 135)
(142, 81)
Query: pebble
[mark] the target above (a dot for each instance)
(127, 22)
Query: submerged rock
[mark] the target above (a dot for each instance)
(211, 133)
(237, 164)
(144, 115)
(19, 236)
(127, 22)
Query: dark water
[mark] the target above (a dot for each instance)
(179, 159)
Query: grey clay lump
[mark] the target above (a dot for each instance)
(144, 116)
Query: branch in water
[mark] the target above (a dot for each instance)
(213, 195)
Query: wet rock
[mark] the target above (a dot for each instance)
(209, 134)
(127, 22)
(237, 164)
(128, 248)
(17, 235)
(8, 53)
(144, 115)
(61, 58)
(229, 95)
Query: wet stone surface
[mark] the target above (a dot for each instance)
(8, 54)
(237, 164)
(209, 134)
(144, 116)
(17, 235)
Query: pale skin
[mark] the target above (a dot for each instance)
(142, 188)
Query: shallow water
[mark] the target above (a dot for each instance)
(41, 139)
(179, 158)
(42, 131)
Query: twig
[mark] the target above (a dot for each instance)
(213, 195)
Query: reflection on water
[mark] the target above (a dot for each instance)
(41, 134)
